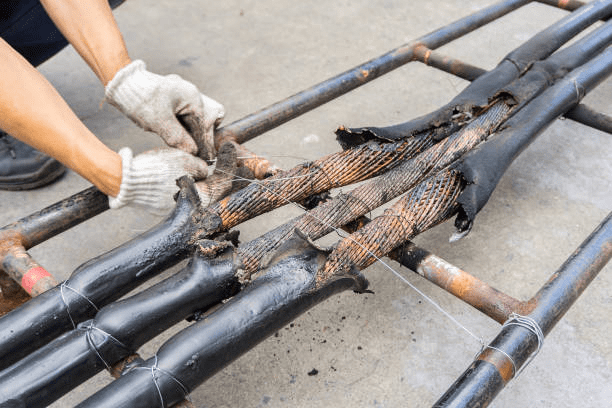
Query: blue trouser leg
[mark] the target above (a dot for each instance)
(25, 25)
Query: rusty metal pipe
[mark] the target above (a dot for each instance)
(478, 294)
(589, 117)
(17, 237)
(513, 346)
(57, 218)
(20, 266)
(447, 64)
(275, 115)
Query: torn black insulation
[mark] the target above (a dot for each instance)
(480, 92)
(484, 166)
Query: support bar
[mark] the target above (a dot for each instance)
(514, 345)
(275, 115)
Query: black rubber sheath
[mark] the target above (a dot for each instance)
(99, 282)
(116, 332)
(484, 166)
(479, 92)
(198, 352)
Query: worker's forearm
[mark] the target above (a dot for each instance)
(33, 111)
(91, 29)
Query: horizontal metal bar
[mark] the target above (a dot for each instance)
(448, 64)
(478, 294)
(275, 115)
(589, 117)
(57, 218)
(20, 266)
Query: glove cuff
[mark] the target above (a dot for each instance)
(126, 166)
(149, 179)
(129, 85)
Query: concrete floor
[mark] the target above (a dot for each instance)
(391, 348)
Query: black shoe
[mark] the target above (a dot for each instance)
(23, 168)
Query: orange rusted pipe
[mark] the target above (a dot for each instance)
(478, 294)
(20, 266)
(448, 64)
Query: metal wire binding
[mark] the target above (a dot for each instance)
(530, 324)
(64, 285)
(155, 368)
(514, 374)
(88, 329)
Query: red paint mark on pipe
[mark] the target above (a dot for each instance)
(32, 276)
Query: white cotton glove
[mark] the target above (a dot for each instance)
(157, 103)
(149, 179)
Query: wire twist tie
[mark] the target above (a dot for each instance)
(530, 324)
(580, 91)
(88, 329)
(153, 369)
(63, 286)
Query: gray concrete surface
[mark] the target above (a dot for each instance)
(391, 348)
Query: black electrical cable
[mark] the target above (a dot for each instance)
(100, 281)
(479, 92)
(484, 166)
(116, 332)
(186, 360)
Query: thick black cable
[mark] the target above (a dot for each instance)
(100, 281)
(116, 332)
(198, 352)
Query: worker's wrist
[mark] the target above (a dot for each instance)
(105, 173)
(110, 71)
(127, 86)
(120, 198)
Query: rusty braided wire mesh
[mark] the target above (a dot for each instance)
(347, 207)
(426, 205)
(335, 170)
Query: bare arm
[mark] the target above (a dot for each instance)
(35, 113)
(91, 29)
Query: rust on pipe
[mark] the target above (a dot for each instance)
(57, 218)
(11, 294)
(19, 265)
(32, 277)
(448, 64)
(569, 5)
(501, 362)
(478, 294)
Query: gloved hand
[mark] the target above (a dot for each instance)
(149, 179)
(167, 105)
